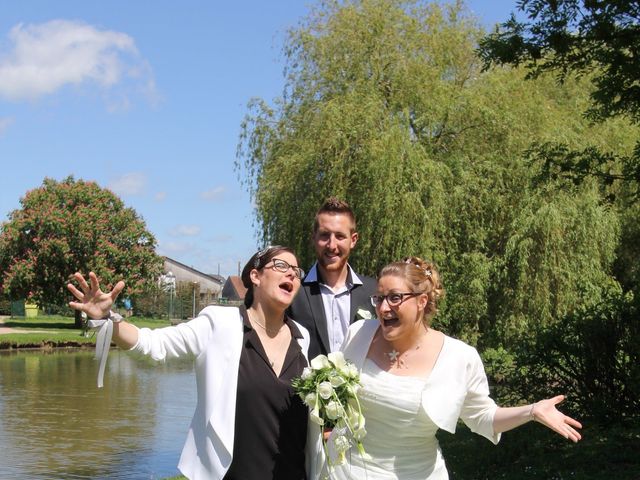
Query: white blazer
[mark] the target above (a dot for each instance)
(214, 338)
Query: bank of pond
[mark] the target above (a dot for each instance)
(46, 332)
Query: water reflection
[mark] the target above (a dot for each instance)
(56, 424)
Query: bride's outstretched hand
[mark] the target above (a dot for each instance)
(545, 412)
(91, 300)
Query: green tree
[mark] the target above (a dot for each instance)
(387, 106)
(73, 226)
(599, 39)
(554, 261)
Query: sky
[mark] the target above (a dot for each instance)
(146, 98)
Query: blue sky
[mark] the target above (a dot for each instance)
(148, 103)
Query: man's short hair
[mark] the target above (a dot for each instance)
(335, 206)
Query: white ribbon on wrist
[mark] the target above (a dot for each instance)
(103, 340)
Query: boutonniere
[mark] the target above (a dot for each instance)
(363, 314)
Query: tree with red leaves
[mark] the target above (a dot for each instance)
(73, 226)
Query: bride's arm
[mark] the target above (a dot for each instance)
(544, 411)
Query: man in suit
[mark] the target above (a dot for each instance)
(332, 295)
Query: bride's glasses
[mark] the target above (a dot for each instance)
(393, 299)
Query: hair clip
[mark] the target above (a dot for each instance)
(427, 272)
(259, 256)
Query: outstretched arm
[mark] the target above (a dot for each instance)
(97, 304)
(544, 412)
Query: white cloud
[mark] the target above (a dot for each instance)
(128, 184)
(5, 123)
(222, 238)
(225, 266)
(185, 231)
(45, 57)
(172, 248)
(117, 103)
(214, 194)
(160, 196)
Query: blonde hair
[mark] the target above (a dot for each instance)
(422, 277)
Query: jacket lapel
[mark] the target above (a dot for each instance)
(359, 301)
(223, 360)
(317, 311)
(354, 302)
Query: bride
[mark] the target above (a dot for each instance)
(417, 380)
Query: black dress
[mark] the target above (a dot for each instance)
(271, 420)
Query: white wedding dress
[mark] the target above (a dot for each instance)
(400, 441)
(403, 413)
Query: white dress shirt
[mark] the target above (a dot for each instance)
(337, 305)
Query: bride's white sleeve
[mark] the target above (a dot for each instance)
(478, 408)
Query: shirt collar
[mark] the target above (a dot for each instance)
(314, 277)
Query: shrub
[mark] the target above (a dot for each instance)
(593, 356)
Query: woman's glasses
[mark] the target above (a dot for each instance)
(393, 299)
(282, 266)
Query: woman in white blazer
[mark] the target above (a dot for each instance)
(248, 422)
(416, 380)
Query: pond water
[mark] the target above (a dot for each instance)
(56, 424)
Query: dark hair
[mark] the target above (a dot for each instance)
(422, 277)
(335, 206)
(257, 262)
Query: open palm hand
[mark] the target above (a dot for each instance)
(91, 300)
(545, 412)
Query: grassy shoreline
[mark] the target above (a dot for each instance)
(532, 452)
(48, 332)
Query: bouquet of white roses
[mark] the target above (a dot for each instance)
(329, 388)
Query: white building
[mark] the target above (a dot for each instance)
(209, 286)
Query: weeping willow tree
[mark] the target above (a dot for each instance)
(385, 105)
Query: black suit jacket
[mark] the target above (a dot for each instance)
(308, 310)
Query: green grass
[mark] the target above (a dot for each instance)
(534, 452)
(56, 332)
(49, 321)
